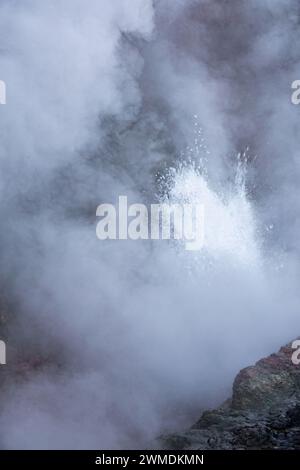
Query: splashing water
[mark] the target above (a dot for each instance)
(230, 228)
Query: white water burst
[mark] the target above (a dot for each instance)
(230, 228)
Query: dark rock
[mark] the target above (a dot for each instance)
(263, 413)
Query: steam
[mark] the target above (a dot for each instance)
(124, 340)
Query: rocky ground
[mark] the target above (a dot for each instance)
(263, 412)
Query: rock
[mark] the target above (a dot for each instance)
(263, 413)
(270, 381)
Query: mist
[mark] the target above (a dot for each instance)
(112, 343)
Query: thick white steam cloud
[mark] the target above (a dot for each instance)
(123, 340)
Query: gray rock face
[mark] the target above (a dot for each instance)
(263, 413)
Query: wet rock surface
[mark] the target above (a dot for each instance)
(263, 413)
